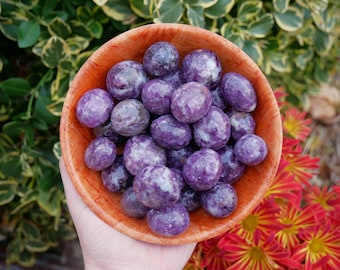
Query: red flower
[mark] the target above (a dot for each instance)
(295, 124)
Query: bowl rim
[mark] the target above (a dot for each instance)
(72, 161)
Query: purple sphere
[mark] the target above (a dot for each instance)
(169, 133)
(126, 79)
(129, 117)
(212, 130)
(202, 169)
(241, 123)
(156, 186)
(94, 107)
(156, 96)
(171, 220)
(140, 151)
(190, 102)
(176, 158)
(202, 66)
(100, 154)
(131, 206)
(238, 92)
(251, 149)
(233, 169)
(220, 201)
(161, 58)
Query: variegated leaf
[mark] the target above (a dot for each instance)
(253, 49)
(281, 6)
(168, 11)
(77, 44)
(118, 10)
(303, 57)
(261, 27)
(141, 8)
(35, 245)
(220, 9)
(249, 9)
(7, 191)
(325, 20)
(100, 2)
(195, 16)
(279, 62)
(54, 50)
(59, 28)
(291, 20)
(323, 42)
(318, 5)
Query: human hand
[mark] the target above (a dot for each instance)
(105, 248)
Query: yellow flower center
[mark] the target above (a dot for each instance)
(250, 223)
(291, 127)
(316, 246)
(256, 254)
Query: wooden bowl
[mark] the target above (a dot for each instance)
(131, 45)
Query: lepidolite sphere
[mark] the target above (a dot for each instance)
(241, 123)
(169, 133)
(140, 151)
(176, 158)
(94, 107)
(220, 201)
(126, 79)
(212, 130)
(202, 66)
(156, 186)
(131, 206)
(100, 154)
(129, 117)
(238, 92)
(251, 149)
(190, 102)
(156, 96)
(161, 59)
(171, 220)
(202, 169)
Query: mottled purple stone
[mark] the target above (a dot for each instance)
(220, 201)
(212, 130)
(140, 151)
(131, 206)
(176, 158)
(100, 154)
(156, 96)
(174, 78)
(161, 58)
(179, 177)
(190, 102)
(106, 130)
(251, 149)
(171, 220)
(202, 66)
(238, 92)
(129, 117)
(233, 169)
(190, 199)
(156, 186)
(169, 133)
(116, 177)
(241, 123)
(217, 98)
(94, 107)
(126, 79)
(202, 169)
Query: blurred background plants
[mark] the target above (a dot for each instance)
(44, 42)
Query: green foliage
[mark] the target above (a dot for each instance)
(44, 42)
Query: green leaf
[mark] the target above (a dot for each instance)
(322, 42)
(80, 29)
(141, 8)
(325, 20)
(100, 2)
(96, 28)
(59, 28)
(14, 128)
(35, 245)
(279, 62)
(253, 49)
(201, 3)
(118, 10)
(9, 30)
(54, 50)
(291, 20)
(220, 9)
(261, 27)
(30, 230)
(16, 87)
(303, 57)
(168, 11)
(66, 65)
(281, 6)
(249, 9)
(26, 258)
(28, 33)
(321, 74)
(195, 16)
(318, 5)
(7, 191)
(77, 44)
(50, 201)
(57, 150)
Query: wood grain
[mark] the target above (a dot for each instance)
(131, 45)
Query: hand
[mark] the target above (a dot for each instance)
(105, 248)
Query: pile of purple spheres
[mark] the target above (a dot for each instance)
(187, 130)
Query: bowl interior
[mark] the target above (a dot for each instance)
(131, 45)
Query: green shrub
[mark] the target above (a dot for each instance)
(43, 44)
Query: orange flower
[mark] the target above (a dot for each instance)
(295, 124)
